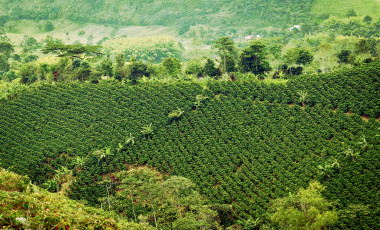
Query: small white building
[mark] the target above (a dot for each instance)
(298, 27)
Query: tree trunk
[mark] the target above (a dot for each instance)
(133, 207)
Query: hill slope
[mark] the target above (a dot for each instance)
(246, 144)
(340, 7)
(159, 12)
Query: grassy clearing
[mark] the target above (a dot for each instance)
(93, 33)
(340, 7)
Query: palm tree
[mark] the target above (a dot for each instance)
(363, 142)
(250, 223)
(130, 139)
(60, 173)
(103, 154)
(335, 164)
(303, 95)
(79, 162)
(100, 154)
(325, 170)
(108, 153)
(121, 147)
(147, 130)
(199, 99)
(352, 153)
(145, 80)
(176, 113)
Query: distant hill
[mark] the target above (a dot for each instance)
(241, 13)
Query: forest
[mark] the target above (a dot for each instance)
(194, 114)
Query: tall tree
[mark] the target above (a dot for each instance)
(106, 67)
(253, 58)
(304, 57)
(210, 69)
(120, 63)
(227, 54)
(7, 49)
(137, 69)
(290, 57)
(307, 209)
(172, 66)
(4, 64)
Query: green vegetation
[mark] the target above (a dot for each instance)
(243, 147)
(152, 49)
(189, 115)
(37, 209)
(307, 209)
(183, 14)
(341, 7)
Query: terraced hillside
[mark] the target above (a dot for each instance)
(243, 143)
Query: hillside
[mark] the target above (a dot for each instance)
(158, 12)
(244, 144)
(339, 8)
(24, 206)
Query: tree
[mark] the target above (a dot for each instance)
(73, 51)
(28, 73)
(79, 162)
(351, 13)
(362, 46)
(350, 152)
(345, 56)
(209, 68)
(199, 99)
(253, 59)
(106, 67)
(178, 188)
(303, 95)
(249, 224)
(130, 139)
(60, 175)
(290, 57)
(103, 154)
(120, 63)
(172, 66)
(4, 64)
(176, 114)
(29, 44)
(304, 57)
(194, 66)
(363, 142)
(147, 130)
(6, 49)
(307, 209)
(328, 168)
(227, 54)
(137, 70)
(142, 186)
(45, 26)
(367, 19)
(325, 56)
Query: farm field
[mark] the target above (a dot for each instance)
(243, 144)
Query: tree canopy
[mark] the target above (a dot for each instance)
(73, 51)
(307, 209)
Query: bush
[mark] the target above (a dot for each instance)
(12, 182)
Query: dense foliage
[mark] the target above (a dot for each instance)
(38, 209)
(158, 12)
(241, 143)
